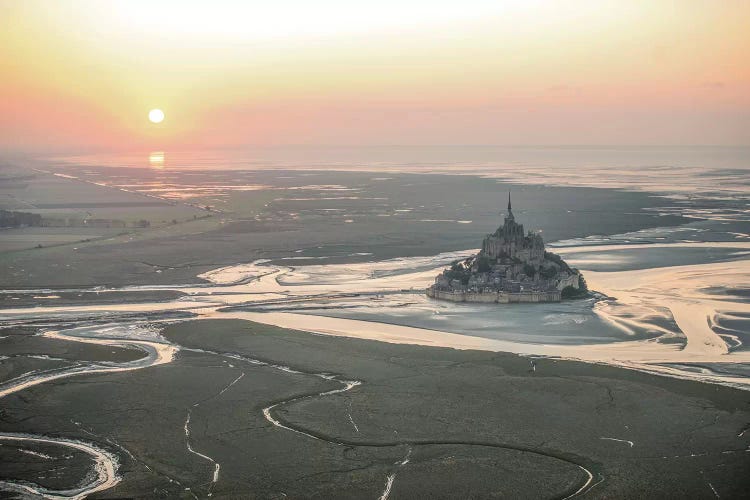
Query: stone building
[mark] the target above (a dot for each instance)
(512, 266)
(510, 242)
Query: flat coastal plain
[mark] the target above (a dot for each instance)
(141, 361)
(254, 411)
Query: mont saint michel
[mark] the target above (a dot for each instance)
(510, 267)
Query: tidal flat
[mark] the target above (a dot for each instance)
(306, 215)
(163, 361)
(23, 352)
(477, 424)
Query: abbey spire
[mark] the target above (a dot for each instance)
(509, 216)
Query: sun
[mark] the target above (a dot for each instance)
(156, 116)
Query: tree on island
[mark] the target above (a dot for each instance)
(570, 292)
(459, 271)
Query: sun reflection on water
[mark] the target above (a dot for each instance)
(156, 159)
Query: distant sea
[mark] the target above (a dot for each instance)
(697, 170)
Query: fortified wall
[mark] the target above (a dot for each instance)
(496, 297)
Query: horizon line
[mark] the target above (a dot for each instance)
(139, 149)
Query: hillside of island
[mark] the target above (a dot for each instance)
(512, 266)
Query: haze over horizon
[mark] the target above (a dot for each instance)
(502, 73)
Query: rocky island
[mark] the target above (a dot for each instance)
(511, 267)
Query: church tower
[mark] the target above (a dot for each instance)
(510, 210)
(511, 230)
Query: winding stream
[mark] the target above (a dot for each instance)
(105, 468)
(105, 462)
(271, 415)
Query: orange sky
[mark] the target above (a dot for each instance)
(84, 74)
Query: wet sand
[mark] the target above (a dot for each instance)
(645, 299)
(658, 320)
(25, 352)
(25, 298)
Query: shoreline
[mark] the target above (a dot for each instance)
(405, 335)
(674, 288)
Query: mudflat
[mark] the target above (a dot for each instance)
(308, 216)
(250, 410)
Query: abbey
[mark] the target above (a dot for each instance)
(509, 242)
(511, 267)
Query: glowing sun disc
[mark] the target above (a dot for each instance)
(156, 116)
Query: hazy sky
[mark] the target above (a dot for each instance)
(84, 74)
